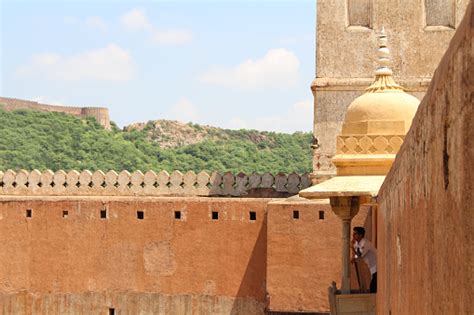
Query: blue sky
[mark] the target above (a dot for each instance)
(232, 64)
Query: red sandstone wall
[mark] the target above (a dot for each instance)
(82, 264)
(425, 220)
(304, 255)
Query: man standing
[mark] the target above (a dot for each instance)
(364, 249)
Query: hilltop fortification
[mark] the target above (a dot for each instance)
(101, 114)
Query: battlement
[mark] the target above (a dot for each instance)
(101, 114)
(98, 183)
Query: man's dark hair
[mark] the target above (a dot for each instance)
(359, 230)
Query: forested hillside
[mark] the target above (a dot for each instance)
(39, 140)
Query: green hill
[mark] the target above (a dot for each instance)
(40, 140)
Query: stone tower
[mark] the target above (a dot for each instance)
(346, 32)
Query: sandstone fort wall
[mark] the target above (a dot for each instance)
(304, 254)
(87, 254)
(101, 114)
(425, 223)
(86, 183)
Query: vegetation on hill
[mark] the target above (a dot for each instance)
(40, 140)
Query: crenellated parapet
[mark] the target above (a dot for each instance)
(124, 183)
(101, 114)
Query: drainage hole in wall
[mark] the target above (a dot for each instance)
(215, 215)
(296, 214)
(253, 215)
(140, 215)
(321, 215)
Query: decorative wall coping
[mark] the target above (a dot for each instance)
(98, 183)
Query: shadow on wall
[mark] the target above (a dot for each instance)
(253, 283)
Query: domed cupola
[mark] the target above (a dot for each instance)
(375, 123)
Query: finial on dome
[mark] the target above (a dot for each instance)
(383, 54)
(383, 75)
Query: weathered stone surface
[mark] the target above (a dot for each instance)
(425, 226)
(80, 263)
(127, 302)
(189, 180)
(59, 180)
(72, 182)
(304, 254)
(86, 183)
(176, 180)
(241, 181)
(202, 183)
(136, 181)
(163, 180)
(46, 181)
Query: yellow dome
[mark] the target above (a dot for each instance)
(375, 123)
(388, 112)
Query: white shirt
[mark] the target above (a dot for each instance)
(367, 252)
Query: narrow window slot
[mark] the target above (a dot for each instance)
(296, 214)
(177, 215)
(111, 311)
(321, 215)
(103, 214)
(65, 213)
(29, 213)
(253, 215)
(215, 215)
(140, 215)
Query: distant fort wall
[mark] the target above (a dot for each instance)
(101, 114)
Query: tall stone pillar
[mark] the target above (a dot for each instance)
(345, 208)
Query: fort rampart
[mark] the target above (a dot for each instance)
(134, 252)
(86, 183)
(101, 114)
(425, 222)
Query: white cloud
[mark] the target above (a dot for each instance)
(278, 68)
(183, 111)
(95, 22)
(172, 37)
(299, 117)
(111, 63)
(135, 20)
